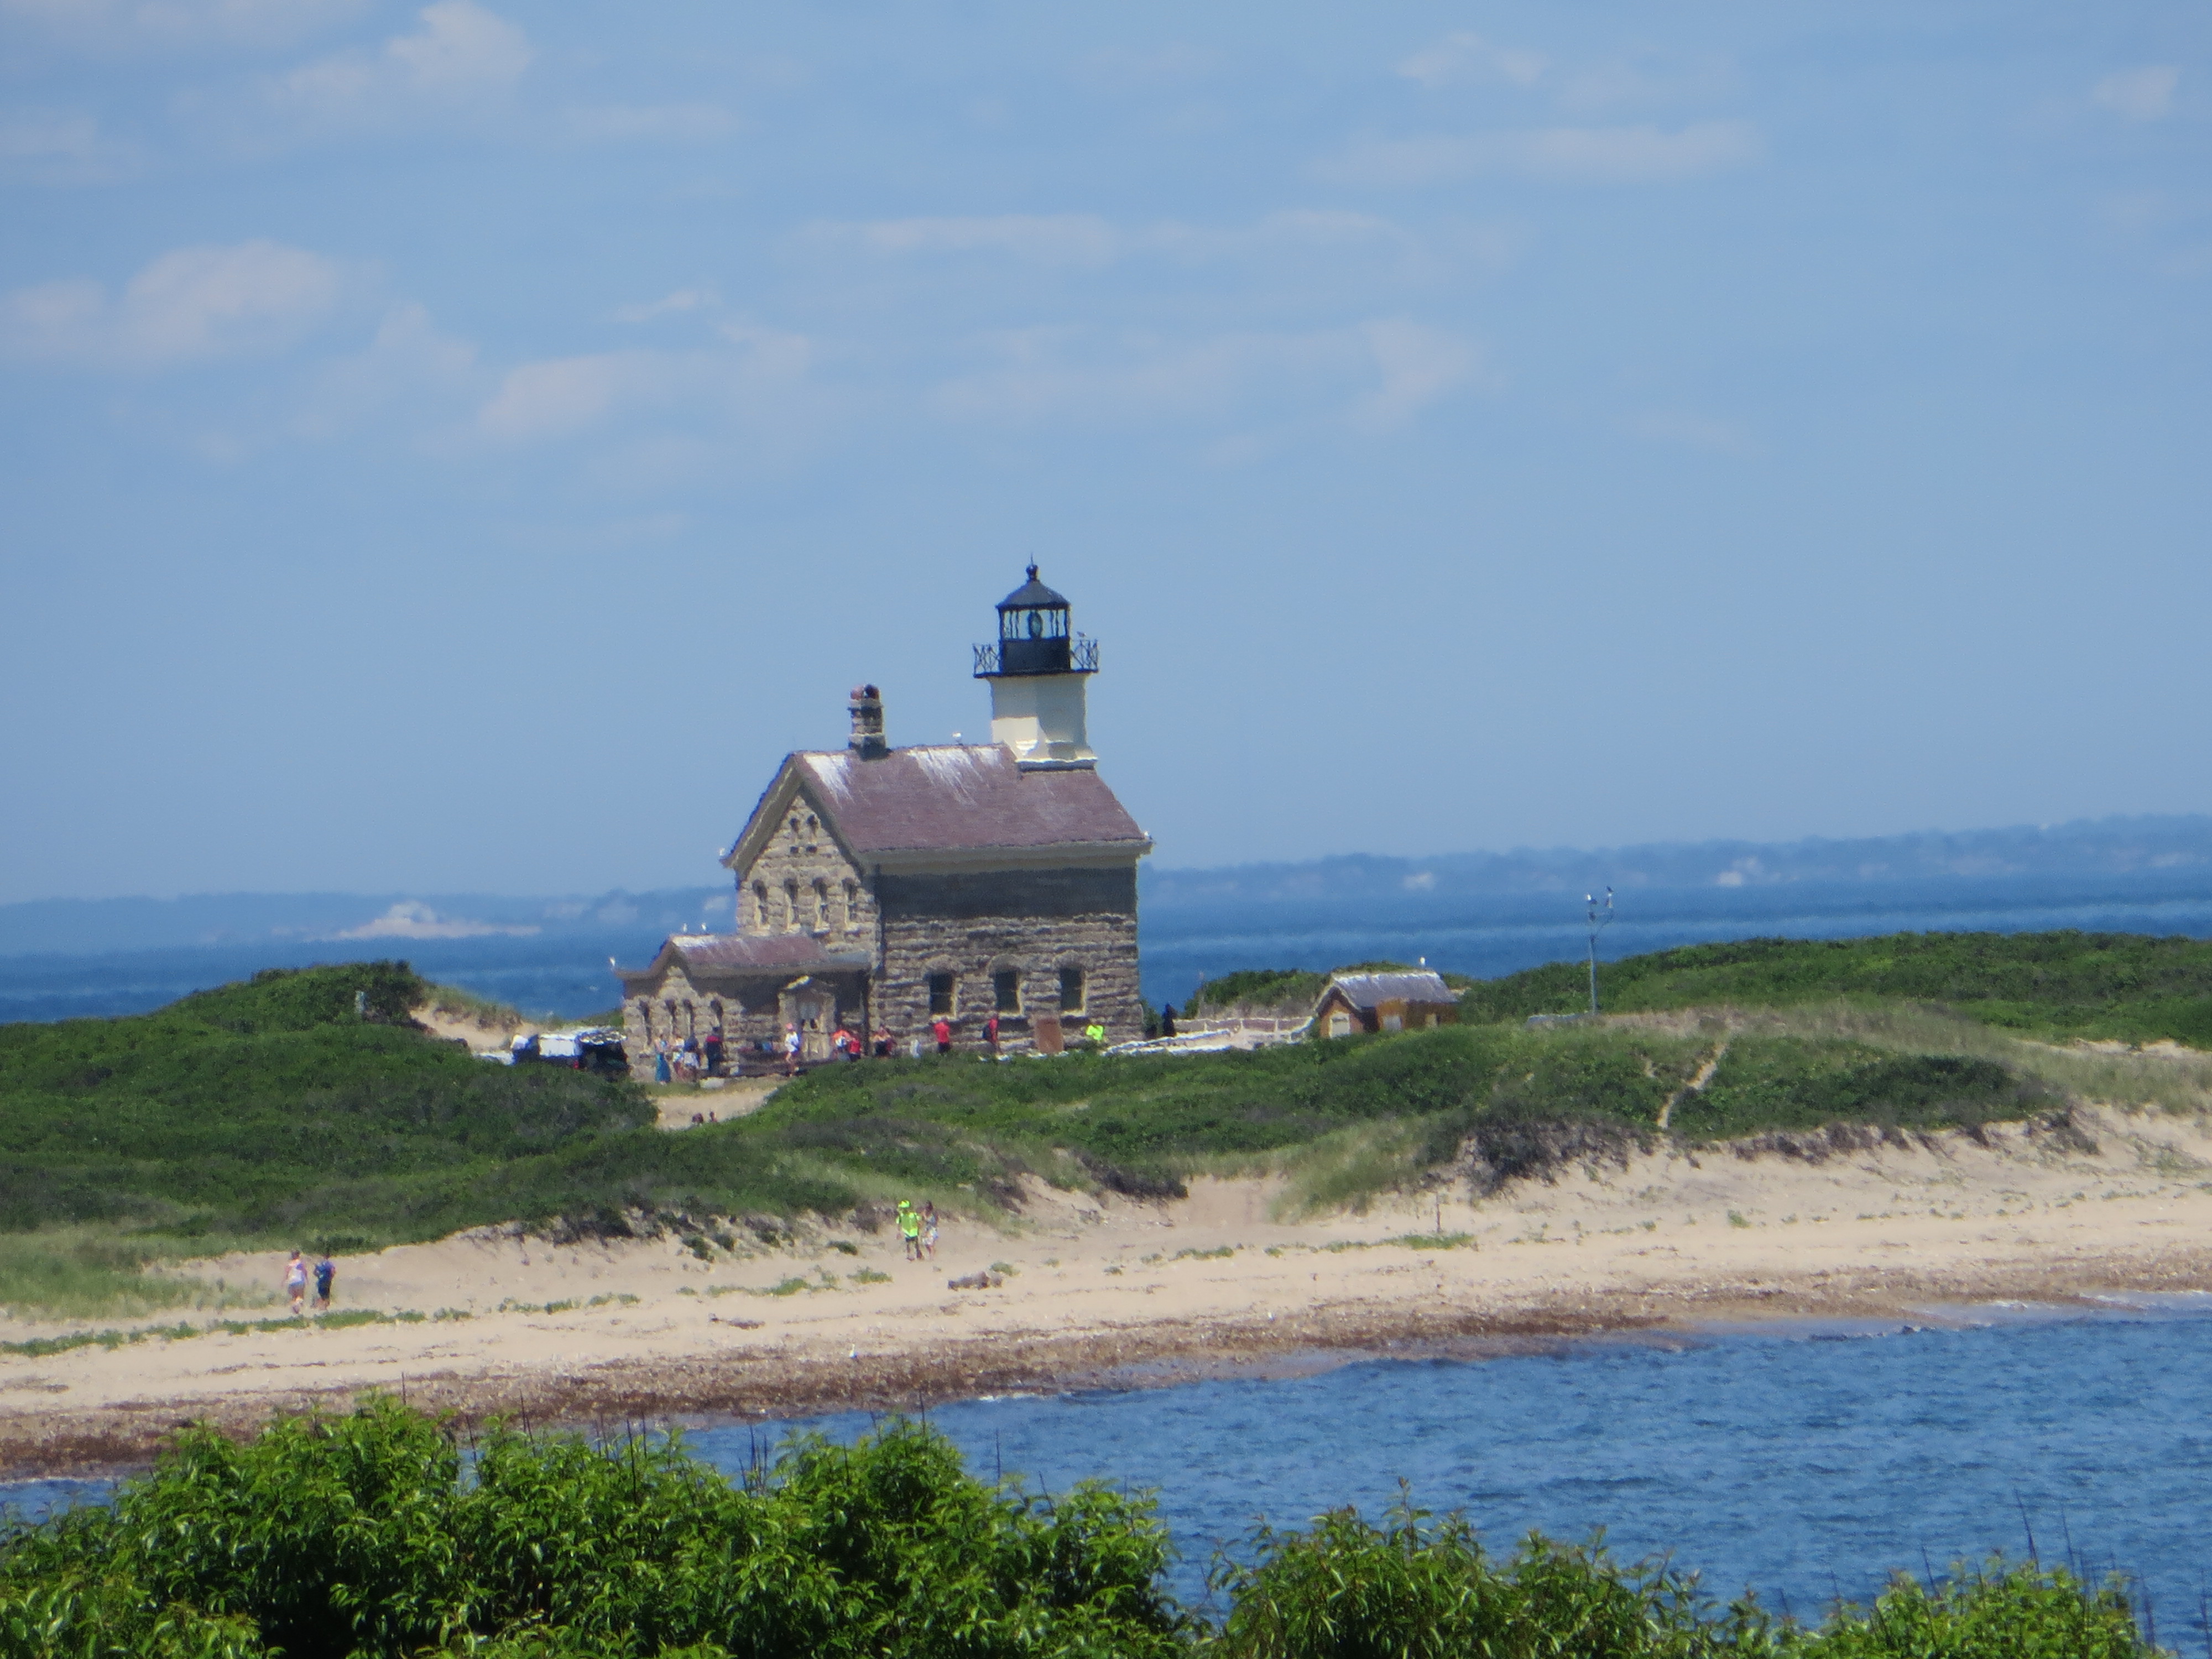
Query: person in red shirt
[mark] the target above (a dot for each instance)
(991, 1034)
(941, 1029)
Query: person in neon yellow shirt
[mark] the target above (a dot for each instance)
(1095, 1034)
(910, 1229)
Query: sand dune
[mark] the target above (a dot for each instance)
(1094, 1289)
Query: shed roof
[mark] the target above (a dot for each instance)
(1370, 991)
(958, 797)
(730, 956)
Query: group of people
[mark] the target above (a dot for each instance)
(295, 1282)
(918, 1229)
(689, 1060)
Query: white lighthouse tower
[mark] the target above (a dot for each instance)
(1037, 669)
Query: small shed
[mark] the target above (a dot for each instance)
(1384, 1002)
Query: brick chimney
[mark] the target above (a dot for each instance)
(868, 739)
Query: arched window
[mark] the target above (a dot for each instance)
(822, 904)
(791, 906)
(761, 923)
(851, 904)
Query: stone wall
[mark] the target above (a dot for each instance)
(1032, 922)
(801, 882)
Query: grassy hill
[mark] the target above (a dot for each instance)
(272, 1113)
(2127, 986)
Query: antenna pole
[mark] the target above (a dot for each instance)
(1600, 918)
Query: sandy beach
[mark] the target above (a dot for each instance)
(1091, 1291)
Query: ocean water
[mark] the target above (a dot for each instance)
(1805, 1462)
(1191, 932)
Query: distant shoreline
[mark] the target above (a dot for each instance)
(1121, 1294)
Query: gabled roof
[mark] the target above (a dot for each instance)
(945, 797)
(729, 956)
(1370, 991)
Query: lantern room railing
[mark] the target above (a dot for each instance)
(1048, 656)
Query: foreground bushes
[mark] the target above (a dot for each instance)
(373, 1536)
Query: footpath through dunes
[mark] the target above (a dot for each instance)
(1087, 1289)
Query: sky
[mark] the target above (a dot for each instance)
(463, 446)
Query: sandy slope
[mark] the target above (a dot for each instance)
(1168, 1290)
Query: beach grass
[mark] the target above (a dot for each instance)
(301, 1109)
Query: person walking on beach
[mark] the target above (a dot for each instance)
(941, 1029)
(295, 1281)
(325, 1271)
(910, 1229)
(929, 1227)
(791, 1041)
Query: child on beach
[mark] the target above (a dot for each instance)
(910, 1229)
(929, 1227)
(325, 1271)
(295, 1281)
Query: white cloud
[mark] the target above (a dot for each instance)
(409, 364)
(654, 123)
(1376, 374)
(52, 147)
(1056, 239)
(2140, 94)
(190, 304)
(1623, 154)
(760, 375)
(1416, 365)
(1087, 240)
(1462, 56)
(461, 53)
(682, 301)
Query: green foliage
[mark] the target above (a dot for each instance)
(371, 1537)
(270, 1109)
(2128, 987)
(360, 1536)
(2005, 1612)
(1259, 987)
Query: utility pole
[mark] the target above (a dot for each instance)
(1600, 918)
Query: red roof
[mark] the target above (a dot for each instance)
(962, 798)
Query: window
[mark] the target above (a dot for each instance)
(940, 993)
(1006, 991)
(1393, 1022)
(760, 907)
(1071, 990)
(851, 904)
(1340, 1024)
(822, 904)
(791, 906)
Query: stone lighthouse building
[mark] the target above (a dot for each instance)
(885, 888)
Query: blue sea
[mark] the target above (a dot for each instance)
(1804, 1462)
(1194, 925)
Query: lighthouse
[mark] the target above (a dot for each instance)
(1036, 668)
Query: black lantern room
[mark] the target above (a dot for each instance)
(1034, 637)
